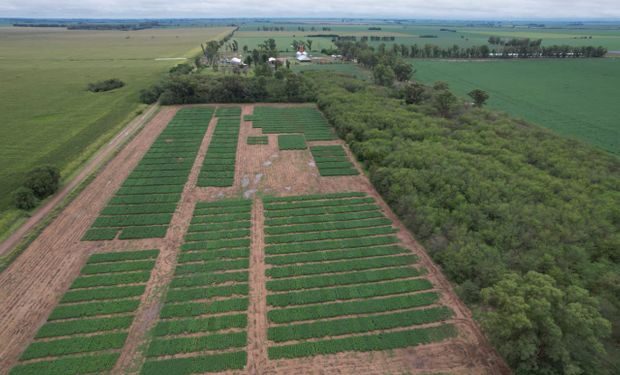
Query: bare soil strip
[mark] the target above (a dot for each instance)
(257, 315)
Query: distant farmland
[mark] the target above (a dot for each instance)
(47, 114)
(575, 98)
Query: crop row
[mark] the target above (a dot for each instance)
(317, 236)
(365, 343)
(143, 206)
(340, 266)
(359, 277)
(200, 308)
(160, 347)
(291, 142)
(353, 253)
(73, 365)
(260, 140)
(315, 227)
(288, 248)
(315, 211)
(188, 294)
(100, 316)
(316, 203)
(363, 324)
(228, 112)
(305, 120)
(330, 310)
(194, 365)
(321, 219)
(348, 292)
(195, 325)
(332, 161)
(218, 167)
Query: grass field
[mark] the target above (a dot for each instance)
(575, 98)
(48, 117)
(409, 34)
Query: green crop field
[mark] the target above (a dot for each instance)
(49, 117)
(340, 274)
(92, 320)
(205, 306)
(218, 167)
(573, 97)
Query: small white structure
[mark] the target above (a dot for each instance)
(236, 61)
(302, 56)
(272, 60)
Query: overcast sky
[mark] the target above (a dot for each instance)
(436, 9)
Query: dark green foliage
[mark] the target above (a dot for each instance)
(73, 327)
(340, 266)
(194, 325)
(102, 293)
(260, 140)
(43, 181)
(69, 366)
(74, 345)
(291, 142)
(480, 97)
(328, 310)
(122, 255)
(362, 324)
(25, 198)
(159, 347)
(332, 161)
(106, 85)
(187, 89)
(193, 365)
(380, 341)
(358, 277)
(348, 292)
(488, 196)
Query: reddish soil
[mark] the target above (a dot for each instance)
(33, 284)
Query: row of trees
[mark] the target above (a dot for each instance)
(282, 86)
(351, 50)
(524, 222)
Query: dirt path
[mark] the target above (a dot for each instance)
(89, 168)
(33, 284)
(257, 311)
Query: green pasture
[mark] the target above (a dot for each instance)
(409, 34)
(48, 117)
(577, 98)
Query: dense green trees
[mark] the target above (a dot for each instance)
(524, 222)
(480, 97)
(186, 89)
(39, 183)
(106, 85)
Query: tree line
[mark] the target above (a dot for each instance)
(353, 50)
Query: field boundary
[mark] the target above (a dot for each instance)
(101, 157)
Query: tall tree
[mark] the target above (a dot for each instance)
(479, 96)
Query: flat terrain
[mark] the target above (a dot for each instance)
(246, 242)
(575, 98)
(46, 114)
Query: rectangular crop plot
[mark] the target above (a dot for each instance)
(204, 317)
(332, 161)
(228, 112)
(143, 206)
(302, 120)
(337, 280)
(292, 142)
(87, 330)
(258, 140)
(218, 167)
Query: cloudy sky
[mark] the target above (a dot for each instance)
(437, 9)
